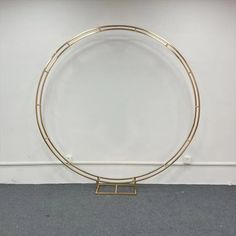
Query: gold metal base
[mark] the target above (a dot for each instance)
(106, 188)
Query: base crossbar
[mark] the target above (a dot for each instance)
(107, 188)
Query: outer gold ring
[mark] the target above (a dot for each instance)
(62, 158)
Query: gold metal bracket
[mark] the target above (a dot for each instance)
(110, 188)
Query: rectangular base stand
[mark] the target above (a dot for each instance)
(109, 188)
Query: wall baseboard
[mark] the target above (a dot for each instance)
(180, 173)
(47, 163)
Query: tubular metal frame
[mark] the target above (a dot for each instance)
(102, 179)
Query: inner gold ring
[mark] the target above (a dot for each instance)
(75, 168)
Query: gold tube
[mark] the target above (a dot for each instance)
(102, 179)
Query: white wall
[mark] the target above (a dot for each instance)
(132, 130)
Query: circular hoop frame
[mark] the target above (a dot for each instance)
(62, 158)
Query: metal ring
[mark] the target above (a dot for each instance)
(61, 157)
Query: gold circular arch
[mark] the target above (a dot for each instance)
(75, 168)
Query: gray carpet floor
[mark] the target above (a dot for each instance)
(74, 209)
